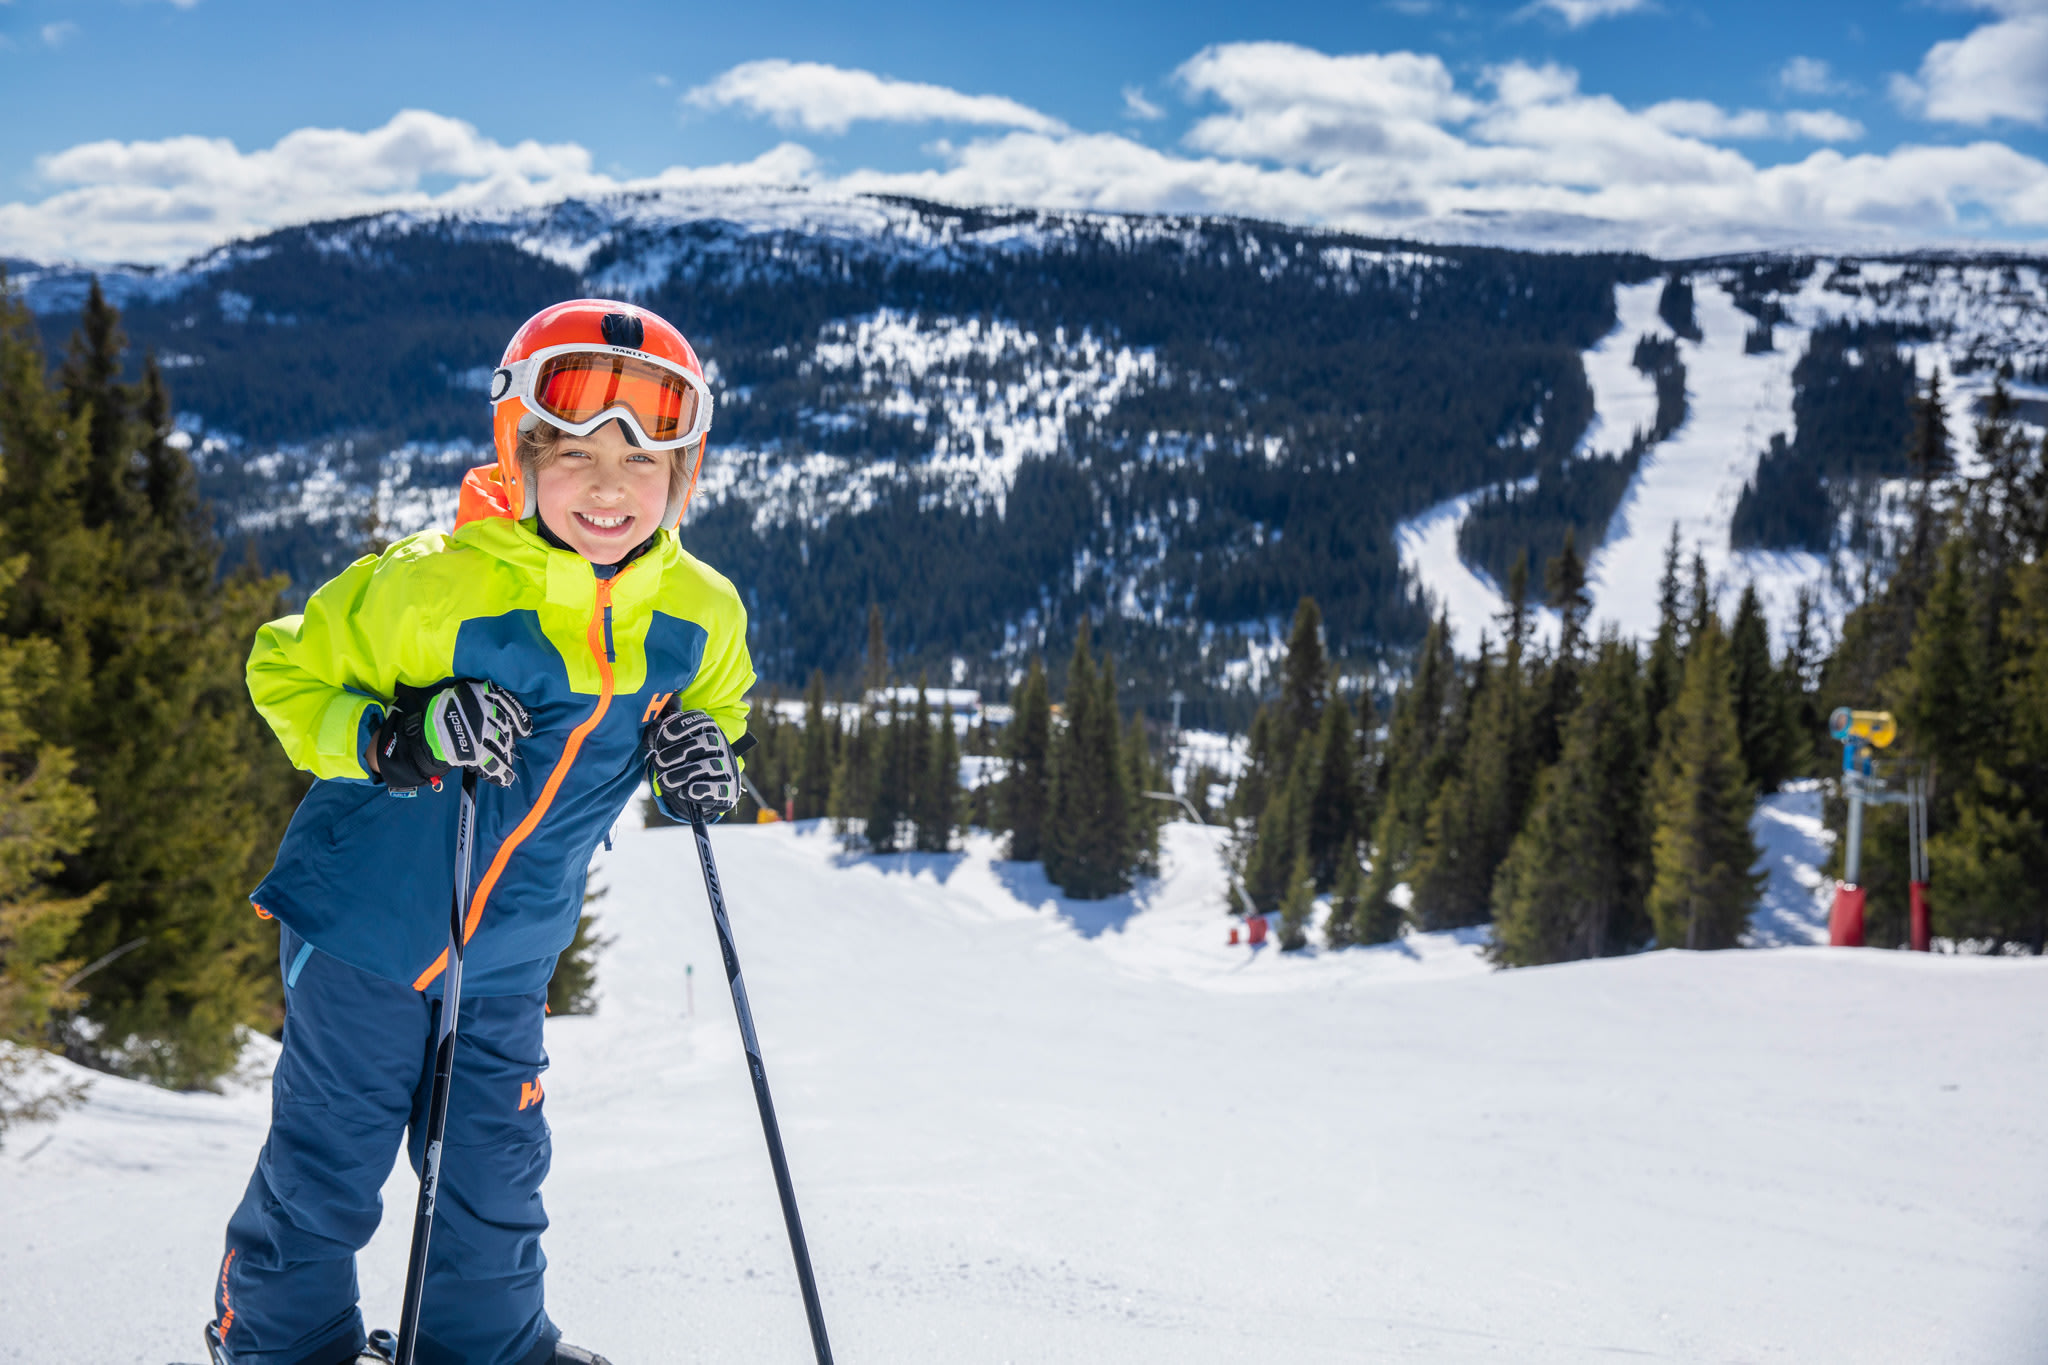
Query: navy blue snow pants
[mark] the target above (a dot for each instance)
(355, 1076)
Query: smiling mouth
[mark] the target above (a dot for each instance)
(617, 521)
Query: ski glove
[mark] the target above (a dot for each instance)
(461, 724)
(691, 765)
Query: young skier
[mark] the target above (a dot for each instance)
(561, 643)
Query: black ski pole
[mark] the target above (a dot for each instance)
(783, 1187)
(446, 1016)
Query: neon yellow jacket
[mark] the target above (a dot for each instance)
(366, 874)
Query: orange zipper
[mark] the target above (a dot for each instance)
(598, 636)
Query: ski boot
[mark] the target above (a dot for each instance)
(382, 1350)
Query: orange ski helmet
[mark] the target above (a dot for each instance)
(580, 364)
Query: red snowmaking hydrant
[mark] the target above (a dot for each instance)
(1861, 734)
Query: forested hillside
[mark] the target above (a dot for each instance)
(989, 423)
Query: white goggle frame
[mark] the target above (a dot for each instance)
(517, 379)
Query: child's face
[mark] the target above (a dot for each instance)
(602, 494)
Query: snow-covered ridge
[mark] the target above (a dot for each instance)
(625, 244)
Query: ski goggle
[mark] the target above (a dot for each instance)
(581, 387)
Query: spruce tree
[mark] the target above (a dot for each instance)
(888, 804)
(854, 776)
(1280, 838)
(1142, 775)
(1422, 749)
(1088, 844)
(1298, 905)
(1337, 799)
(1989, 856)
(1703, 892)
(1072, 788)
(1304, 680)
(814, 775)
(1763, 719)
(1572, 885)
(1027, 788)
(1477, 813)
(1667, 649)
(939, 792)
(931, 818)
(92, 389)
(187, 820)
(877, 673)
(1930, 457)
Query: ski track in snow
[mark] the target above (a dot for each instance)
(1027, 1129)
(1735, 403)
(1693, 478)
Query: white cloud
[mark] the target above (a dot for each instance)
(1137, 106)
(1698, 118)
(60, 33)
(1811, 76)
(1390, 143)
(1579, 13)
(1996, 71)
(165, 200)
(831, 99)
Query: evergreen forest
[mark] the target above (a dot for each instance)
(1593, 798)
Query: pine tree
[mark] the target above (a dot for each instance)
(939, 792)
(877, 674)
(1304, 680)
(1989, 857)
(93, 389)
(1477, 813)
(1280, 838)
(1667, 650)
(1703, 891)
(889, 804)
(814, 776)
(1142, 775)
(1071, 790)
(1347, 903)
(932, 821)
(1027, 788)
(1572, 885)
(1336, 801)
(1088, 847)
(1762, 717)
(1930, 458)
(854, 776)
(1298, 905)
(188, 820)
(1424, 742)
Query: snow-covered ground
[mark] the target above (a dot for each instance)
(1025, 1129)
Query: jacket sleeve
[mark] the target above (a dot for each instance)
(321, 678)
(726, 672)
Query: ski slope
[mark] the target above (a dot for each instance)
(1030, 1130)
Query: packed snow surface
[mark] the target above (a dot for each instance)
(1028, 1129)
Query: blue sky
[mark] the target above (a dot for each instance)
(148, 129)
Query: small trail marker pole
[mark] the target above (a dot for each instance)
(689, 990)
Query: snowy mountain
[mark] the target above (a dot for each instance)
(999, 421)
(1032, 1130)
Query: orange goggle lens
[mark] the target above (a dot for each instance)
(578, 387)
